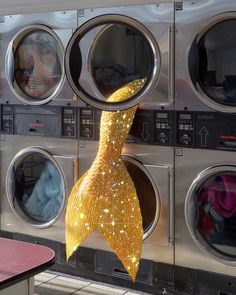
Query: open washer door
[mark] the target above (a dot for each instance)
(210, 212)
(106, 53)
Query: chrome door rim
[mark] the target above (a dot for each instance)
(199, 241)
(154, 224)
(148, 87)
(9, 64)
(19, 213)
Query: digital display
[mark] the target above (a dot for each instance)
(162, 116)
(185, 117)
(68, 111)
(87, 112)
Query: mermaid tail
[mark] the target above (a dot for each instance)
(105, 198)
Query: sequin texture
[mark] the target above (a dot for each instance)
(105, 198)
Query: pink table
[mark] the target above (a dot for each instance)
(19, 262)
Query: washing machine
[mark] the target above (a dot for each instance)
(39, 165)
(205, 55)
(32, 67)
(112, 47)
(117, 45)
(148, 156)
(205, 187)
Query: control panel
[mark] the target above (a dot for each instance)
(142, 130)
(40, 121)
(216, 131)
(49, 121)
(185, 125)
(206, 130)
(69, 119)
(89, 123)
(149, 127)
(163, 128)
(7, 116)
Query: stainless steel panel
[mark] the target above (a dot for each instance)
(158, 161)
(188, 166)
(64, 151)
(189, 23)
(61, 22)
(153, 155)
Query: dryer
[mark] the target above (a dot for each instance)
(205, 55)
(33, 46)
(205, 188)
(148, 155)
(117, 45)
(38, 170)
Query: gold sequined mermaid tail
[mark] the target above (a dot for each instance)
(105, 197)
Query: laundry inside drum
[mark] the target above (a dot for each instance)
(127, 58)
(38, 188)
(216, 66)
(216, 201)
(37, 65)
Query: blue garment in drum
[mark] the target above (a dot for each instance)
(47, 196)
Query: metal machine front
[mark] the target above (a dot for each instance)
(210, 212)
(39, 168)
(33, 69)
(115, 46)
(148, 155)
(205, 56)
(205, 130)
(205, 187)
(154, 185)
(149, 127)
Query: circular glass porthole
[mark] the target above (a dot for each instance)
(210, 212)
(212, 64)
(34, 65)
(107, 53)
(147, 193)
(35, 187)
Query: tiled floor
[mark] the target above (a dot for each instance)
(55, 284)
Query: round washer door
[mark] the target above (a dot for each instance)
(36, 187)
(212, 63)
(35, 65)
(210, 212)
(147, 192)
(108, 52)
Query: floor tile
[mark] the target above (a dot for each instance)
(73, 280)
(108, 288)
(96, 291)
(48, 274)
(134, 293)
(40, 279)
(59, 286)
(64, 284)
